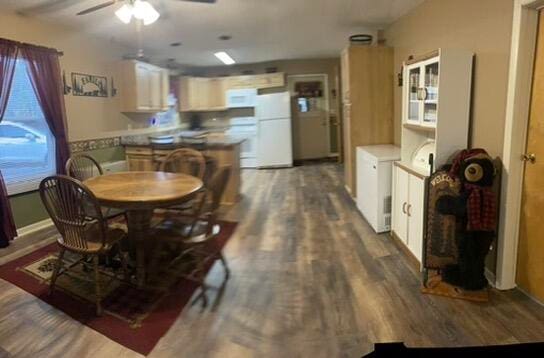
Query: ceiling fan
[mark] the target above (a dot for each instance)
(139, 9)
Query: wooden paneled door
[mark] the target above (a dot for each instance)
(310, 116)
(530, 267)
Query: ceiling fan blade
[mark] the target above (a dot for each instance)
(203, 1)
(47, 7)
(97, 7)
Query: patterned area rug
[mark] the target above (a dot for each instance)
(135, 318)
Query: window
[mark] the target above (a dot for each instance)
(27, 147)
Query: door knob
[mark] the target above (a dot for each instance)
(530, 157)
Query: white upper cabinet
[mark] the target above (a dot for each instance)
(143, 87)
(421, 92)
(424, 81)
(436, 104)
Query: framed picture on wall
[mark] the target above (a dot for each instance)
(89, 85)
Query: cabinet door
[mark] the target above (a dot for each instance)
(198, 93)
(344, 73)
(216, 93)
(430, 92)
(143, 94)
(140, 163)
(400, 203)
(346, 129)
(412, 94)
(416, 208)
(165, 89)
(184, 94)
(155, 88)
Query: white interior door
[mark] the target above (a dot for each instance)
(310, 114)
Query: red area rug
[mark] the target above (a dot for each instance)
(157, 312)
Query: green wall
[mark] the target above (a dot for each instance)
(27, 208)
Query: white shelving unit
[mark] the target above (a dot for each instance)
(435, 117)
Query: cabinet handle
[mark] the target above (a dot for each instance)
(409, 210)
(404, 207)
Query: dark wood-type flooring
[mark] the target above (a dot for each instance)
(309, 279)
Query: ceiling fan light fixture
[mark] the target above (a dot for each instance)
(142, 10)
(124, 13)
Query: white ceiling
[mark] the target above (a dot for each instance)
(261, 30)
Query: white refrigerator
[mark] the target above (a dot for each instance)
(274, 142)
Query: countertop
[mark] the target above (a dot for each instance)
(212, 139)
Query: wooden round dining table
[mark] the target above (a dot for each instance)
(139, 193)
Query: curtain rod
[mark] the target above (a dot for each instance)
(43, 48)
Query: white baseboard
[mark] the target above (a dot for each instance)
(32, 228)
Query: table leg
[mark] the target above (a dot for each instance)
(138, 228)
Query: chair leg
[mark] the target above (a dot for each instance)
(58, 266)
(201, 277)
(97, 286)
(203, 289)
(225, 265)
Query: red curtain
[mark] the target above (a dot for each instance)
(8, 58)
(44, 71)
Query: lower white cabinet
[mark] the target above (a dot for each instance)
(408, 209)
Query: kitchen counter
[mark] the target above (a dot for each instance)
(143, 155)
(210, 139)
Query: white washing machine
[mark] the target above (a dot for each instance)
(245, 128)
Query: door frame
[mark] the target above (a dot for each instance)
(522, 54)
(327, 105)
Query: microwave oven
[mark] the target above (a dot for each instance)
(241, 98)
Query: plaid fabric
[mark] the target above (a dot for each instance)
(481, 208)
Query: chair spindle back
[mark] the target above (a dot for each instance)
(83, 167)
(74, 211)
(185, 161)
